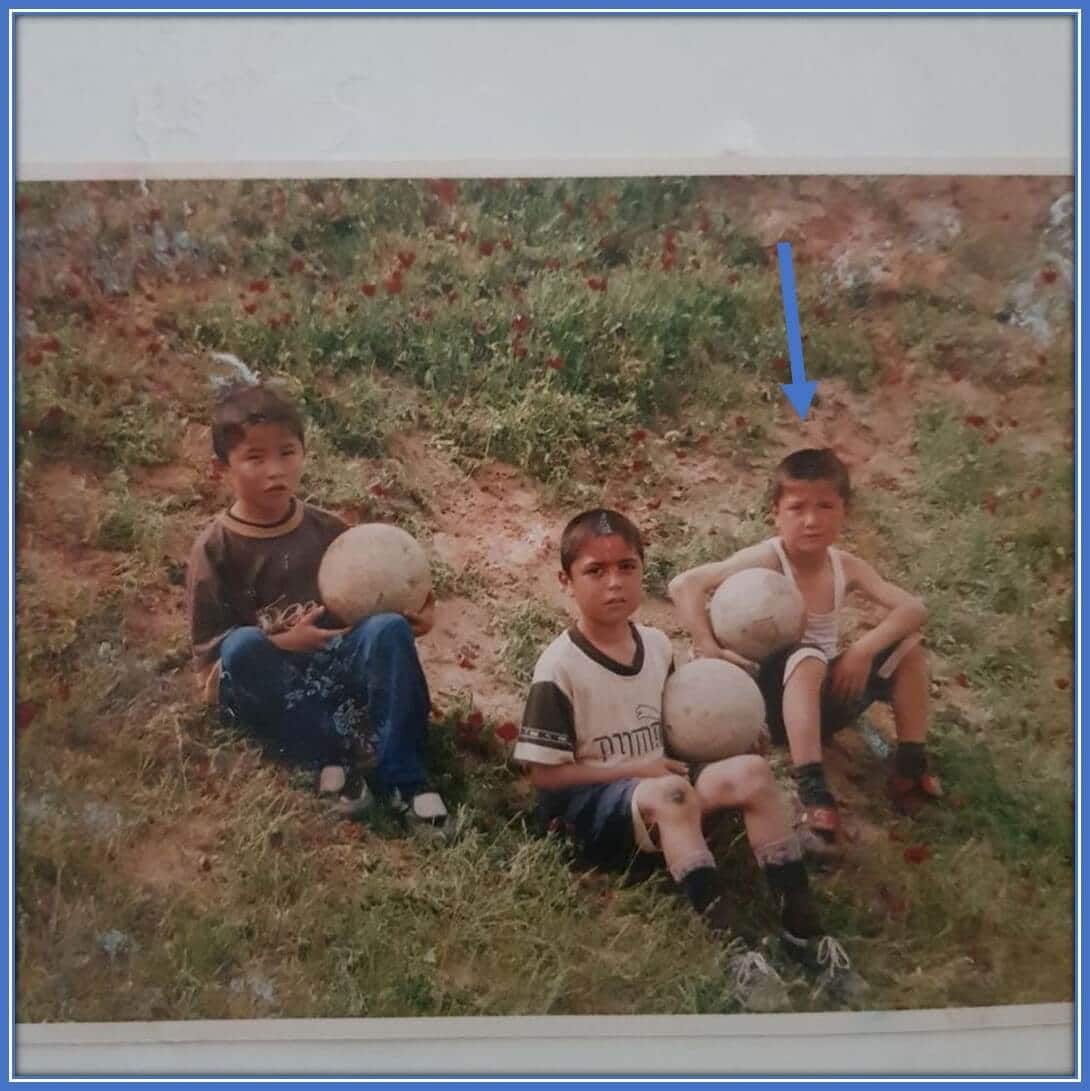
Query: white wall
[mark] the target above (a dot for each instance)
(176, 96)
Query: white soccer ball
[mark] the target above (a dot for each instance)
(757, 612)
(711, 710)
(374, 568)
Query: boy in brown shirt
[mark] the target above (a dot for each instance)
(338, 699)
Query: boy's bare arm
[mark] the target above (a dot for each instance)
(573, 774)
(689, 592)
(907, 613)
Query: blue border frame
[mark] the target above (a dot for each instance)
(640, 9)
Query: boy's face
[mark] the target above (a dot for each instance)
(809, 515)
(264, 470)
(606, 580)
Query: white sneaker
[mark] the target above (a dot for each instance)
(757, 985)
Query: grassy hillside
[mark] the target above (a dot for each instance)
(478, 361)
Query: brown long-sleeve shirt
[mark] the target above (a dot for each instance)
(242, 573)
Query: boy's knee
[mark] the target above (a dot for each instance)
(808, 672)
(240, 644)
(668, 792)
(385, 627)
(739, 779)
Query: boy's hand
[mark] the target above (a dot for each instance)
(423, 621)
(714, 651)
(658, 767)
(850, 672)
(304, 635)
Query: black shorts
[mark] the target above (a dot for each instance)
(835, 713)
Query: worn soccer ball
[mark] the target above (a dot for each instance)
(711, 710)
(374, 568)
(757, 612)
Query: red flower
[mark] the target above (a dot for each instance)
(519, 351)
(393, 284)
(1035, 492)
(405, 259)
(259, 286)
(249, 308)
(597, 284)
(475, 718)
(654, 504)
(732, 278)
(50, 344)
(273, 322)
(669, 241)
(25, 711)
(367, 289)
(976, 420)
(507, 731)
(639, 435)
(296, 265)
(506, 243)
(555, 362)
(780, 363)
(668, 262)
(740, 422)
(377, 489)
(553, 264)
(1048, 275)
(486, 247)
(681, 454)
(962, 680)
(917, 854)
(989, 504)
(424, 314)
(154, 213)
(466, 663)
(520, 323)
(34, 358)
(464, 235)
(445, 189)
(1062, 683)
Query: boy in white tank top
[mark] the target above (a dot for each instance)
(814, 688)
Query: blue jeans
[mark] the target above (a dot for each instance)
(363, 699)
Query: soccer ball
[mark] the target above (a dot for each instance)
(374, 568)
(757, 612)
(711, 710)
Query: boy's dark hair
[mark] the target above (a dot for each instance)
(596, 523)
(812, 464)
(241, 405)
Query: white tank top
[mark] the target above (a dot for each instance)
(821, 629)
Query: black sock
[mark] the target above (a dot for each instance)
(790, 883)
(698, 887)
(911, 760)
(813, 791)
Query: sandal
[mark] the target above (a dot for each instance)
(909, 794)
(819, 829)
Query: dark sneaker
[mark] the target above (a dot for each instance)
(424, 813)
(825, 958)
(347, 793)
(757, 985)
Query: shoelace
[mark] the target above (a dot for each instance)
(832, 956)
(750, 965)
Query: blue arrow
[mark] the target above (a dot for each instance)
(800, 391)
